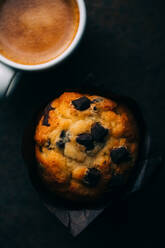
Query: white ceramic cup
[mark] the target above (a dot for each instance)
(10, 71)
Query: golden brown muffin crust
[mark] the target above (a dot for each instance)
(82, 143)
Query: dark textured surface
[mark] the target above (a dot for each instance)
(124, 49)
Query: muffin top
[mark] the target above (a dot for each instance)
(85, 145)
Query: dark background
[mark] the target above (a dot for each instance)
(123, 50)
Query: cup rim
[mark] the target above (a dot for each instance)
(60, 58)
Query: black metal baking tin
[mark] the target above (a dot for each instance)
(65, 210)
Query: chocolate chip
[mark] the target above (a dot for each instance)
(63, 134)
(64, 138)
(60, 144)
(81, 103)
(120, 155)
(48, 144)
(98, 132)
(45, 121)
(92, 177)
(40, 148)
(86, 140)
(94, 108)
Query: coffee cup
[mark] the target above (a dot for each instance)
(10, 70)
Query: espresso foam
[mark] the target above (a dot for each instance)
(36, 31)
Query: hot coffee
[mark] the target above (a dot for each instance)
(36, 31)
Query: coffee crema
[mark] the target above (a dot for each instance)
(37, 31)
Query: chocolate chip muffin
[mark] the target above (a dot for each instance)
(86, 145)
